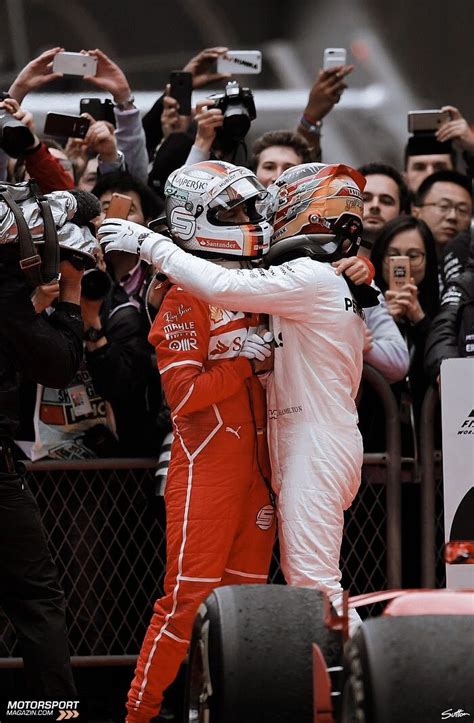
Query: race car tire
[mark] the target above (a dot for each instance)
(251, 655)
(411, 669)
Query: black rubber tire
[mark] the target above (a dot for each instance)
(409, 669)
(259, 647)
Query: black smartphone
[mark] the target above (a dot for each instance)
(66, 126)
(98, 109)
(181, 89)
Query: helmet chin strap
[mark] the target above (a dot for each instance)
(320, 247)
(302, 246)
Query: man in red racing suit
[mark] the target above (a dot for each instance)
(220, 521)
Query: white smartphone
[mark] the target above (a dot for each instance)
(427, 120)
(240, 62)
(334, 57)
(74, 64)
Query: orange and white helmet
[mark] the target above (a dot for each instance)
(318, 212)
(197, 199)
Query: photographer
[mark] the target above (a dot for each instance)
(38, 161)
(48, 351)
(118, 355)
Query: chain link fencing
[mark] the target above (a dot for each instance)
(106, 532)
(105, 525)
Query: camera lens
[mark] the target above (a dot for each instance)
(15, 137)
(236, 122)
(95, 284)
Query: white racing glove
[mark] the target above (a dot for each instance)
(257, 347)
(117, 234)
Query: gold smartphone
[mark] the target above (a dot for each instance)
(119, 206)
(399, 272)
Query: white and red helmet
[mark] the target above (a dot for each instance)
(318, 210)
(197, 198)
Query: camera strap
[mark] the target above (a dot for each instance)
(30, 261)
(51, 253)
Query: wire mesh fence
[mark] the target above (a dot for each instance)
(106, 531)
(108, 544)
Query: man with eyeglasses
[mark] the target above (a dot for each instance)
(444, 202)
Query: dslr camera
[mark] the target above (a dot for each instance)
(238, 108)
(15, 137)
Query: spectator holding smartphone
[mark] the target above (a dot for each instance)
(108, 78)
(129, 133)
(428, 154)
(201, 67)
(325, 92)
(414, 306)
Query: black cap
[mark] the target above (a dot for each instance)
(426, 144)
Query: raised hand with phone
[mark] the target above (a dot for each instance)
(456, 129)
(402, 294)
(129, 134)
(101, 139)
(406, 270)
(325, 92)
(172, 119)
(203, 67)
(35, 74)
(404, 302)
(109, 77)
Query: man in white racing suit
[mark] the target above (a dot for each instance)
(315, 446)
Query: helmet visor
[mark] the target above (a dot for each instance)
(239, 192)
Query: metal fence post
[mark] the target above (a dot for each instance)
(393, 480)
(428, 489)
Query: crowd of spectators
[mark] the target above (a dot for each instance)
(115, 406)
(423, 211)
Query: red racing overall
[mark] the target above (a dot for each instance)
(220, 521)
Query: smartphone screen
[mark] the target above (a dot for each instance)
(66, 126)
(399, 272)
(181, 89)
(119, 206)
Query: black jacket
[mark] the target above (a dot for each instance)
(46, 351)
(452, 331)
(125, 374)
